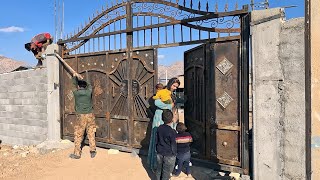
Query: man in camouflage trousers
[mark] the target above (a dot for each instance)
(85, 117)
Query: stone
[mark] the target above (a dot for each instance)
(236, 176)
(113, 151)
(5, 154)
(24, 154)
(65, 141)
(15, 147)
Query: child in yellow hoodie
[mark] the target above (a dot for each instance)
(163, 94)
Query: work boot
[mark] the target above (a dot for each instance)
(93, 154)
(73, 156)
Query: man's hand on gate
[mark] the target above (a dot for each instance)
(78, 76)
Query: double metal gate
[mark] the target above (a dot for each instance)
(118, 47)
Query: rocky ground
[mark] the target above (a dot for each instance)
(31, 162)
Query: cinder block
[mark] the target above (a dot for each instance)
(35, 115)
(26, 101)
(27, 81)
(4, 127)
(33, 122)
(16, 75)
(41, 95)
(17, 102)
(30, 88)
(3, 89)
(28, 94)
(14, 95)
(5, 101)
(19, 81)
(44, 80)
(3, 107)
(41, 87)
(3, 119)
(3, 95)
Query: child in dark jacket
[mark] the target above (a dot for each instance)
(183, 140)
(166, 147)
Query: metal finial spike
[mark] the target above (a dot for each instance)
(111, 3)
(217, 8)
(226, 7)
(107, 7)
(89, 19)
(184, 3)
(116, 1)
(191, 4)
(177, 1)
(237, 5)
(102, 9)
(199, 5)
(67, 36)
(207, 6)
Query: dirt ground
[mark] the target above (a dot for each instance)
(27, 163)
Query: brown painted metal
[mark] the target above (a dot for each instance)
(123, 72)
(213, 112)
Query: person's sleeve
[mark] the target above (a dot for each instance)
(162, 105)
(157, 96)
(75, 81)
(173, 142)
(88, 81)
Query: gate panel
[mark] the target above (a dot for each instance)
(117, 67)
(225, 127)
(143, 84)
(213, 112)
(194, 63)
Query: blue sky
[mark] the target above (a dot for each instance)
(20, 20)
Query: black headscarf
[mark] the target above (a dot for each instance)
(170, 83)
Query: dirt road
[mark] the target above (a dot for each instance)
(57, 165)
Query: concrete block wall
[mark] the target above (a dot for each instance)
(30, 104)
(278, 96)
(23, 107)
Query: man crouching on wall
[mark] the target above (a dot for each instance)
(85, 117)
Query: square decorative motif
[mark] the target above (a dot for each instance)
(225, 100)
(224, 66)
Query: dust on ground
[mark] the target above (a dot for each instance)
(28, 163)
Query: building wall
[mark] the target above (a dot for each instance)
(29, 104)
(23, 107)
(278, 95)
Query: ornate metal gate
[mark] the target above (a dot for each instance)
(118, 47)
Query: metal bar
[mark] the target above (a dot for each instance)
(229, 38)
(114, 36)
(109, 38)
(190, 42)
(138, 31)
(245, 26)
(144, 31)
(308, 91)
(151, 31)
(93, 44)
(130, 71)
(158, 30)
(181, 32)
(174, 38)
(120, 35)
(190, 10)
(104, 41)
